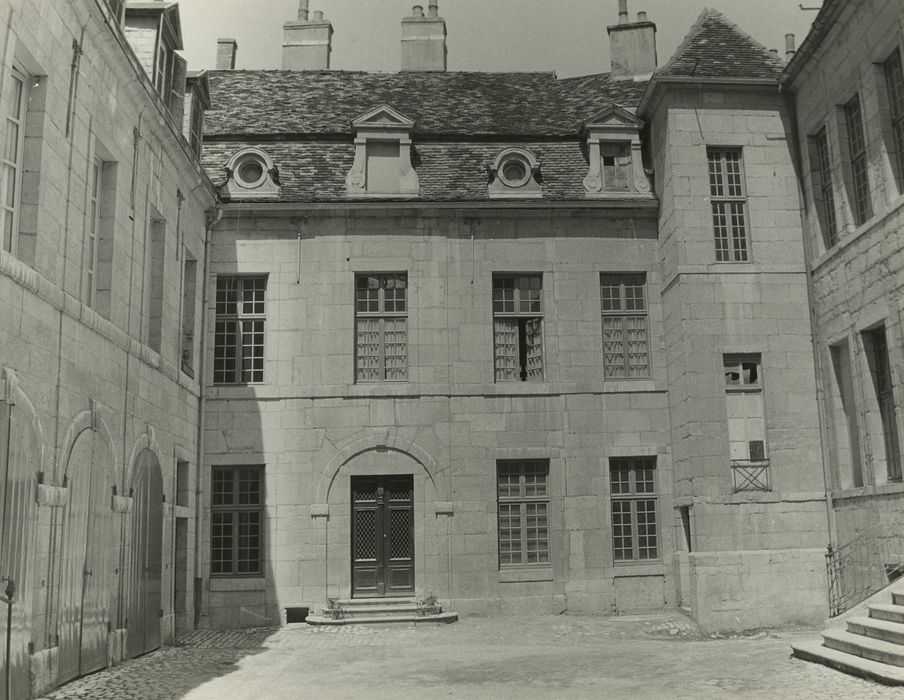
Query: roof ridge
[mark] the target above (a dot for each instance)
(766, 53)
(687, 38)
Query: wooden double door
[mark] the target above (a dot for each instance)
(382, 533)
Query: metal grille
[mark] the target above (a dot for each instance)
(381, 329)
(400, 525)
(366, 534)
(726, 186)
(894, 78)
(827, 199)
(862, 204)
(518, 327)
(635, 534)
(238, 354)
(523, 512)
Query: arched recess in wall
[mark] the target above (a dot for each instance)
(146, 554)
(87, 551)
(21, 460)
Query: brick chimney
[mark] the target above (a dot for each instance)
(308, 41)
(424, 40)
(632, 46)
(226, 49)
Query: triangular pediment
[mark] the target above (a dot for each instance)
(613, 116)
(383, 117)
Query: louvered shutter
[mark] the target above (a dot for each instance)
(177, 91)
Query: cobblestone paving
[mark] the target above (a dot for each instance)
(549, 657)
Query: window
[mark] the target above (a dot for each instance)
(729, 204)
(894, 78)
(617, 168)
(635, 534)
(236, 521)
(383, 165)
(251, 174)
(155, 283)
(15, 100)
(877, 347)
(381, 327)
(189, 281)
(523, 502)
(861, 201)
(518, 327)
(825, 193)
(623, 299)
(746, 422)
(92, 232)
(238, 353)
(844, 418)
(514, 174)
(196, 127)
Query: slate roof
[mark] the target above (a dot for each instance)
(270, 103)
(716, 48)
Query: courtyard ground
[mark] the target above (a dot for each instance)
(658, 656)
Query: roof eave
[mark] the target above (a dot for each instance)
(824, 21)
(714, 81)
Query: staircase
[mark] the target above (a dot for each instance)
(867, 641)
(381, 611)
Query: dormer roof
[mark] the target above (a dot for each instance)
(614, 116)
(383, 117)
(169, 10)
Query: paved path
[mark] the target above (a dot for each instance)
(547, 657)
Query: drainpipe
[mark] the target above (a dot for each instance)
(9, 595)
(213, 218)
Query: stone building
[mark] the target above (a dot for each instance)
(103, 216)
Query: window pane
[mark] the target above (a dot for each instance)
(367, 349)
(396, 343)
(622, 538)
(614, 347)
(505, 341)
(509, 480)
(249, 490)
(222, 489)
(537, 533)
(646, 530)
(252, 351)
(221, 541)
(249, 537)
(509, 533)
(534, 340)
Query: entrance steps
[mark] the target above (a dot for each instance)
(867, 641)
(381, 611)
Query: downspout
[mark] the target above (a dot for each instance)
(213, 218)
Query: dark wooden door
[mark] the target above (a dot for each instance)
(382, 536)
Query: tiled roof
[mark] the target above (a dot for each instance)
(716, 48)
(270, 103)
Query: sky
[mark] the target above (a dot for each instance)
(565, 36)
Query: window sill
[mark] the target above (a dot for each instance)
(855, 492)
(624, 385)
(526, 575)
(625, 570)
(237, 583)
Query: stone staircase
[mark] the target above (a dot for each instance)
(866, 641)
(381, 611)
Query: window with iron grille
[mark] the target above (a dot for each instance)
(635, 529)
(14, 109)
(861, 201)
(894, 79)
(518, 327)
(729, 204)
(626, 347)
(880, 369)
(826, 192)
(523, 507)
(238, 353)
(381, 327)
(236, 520)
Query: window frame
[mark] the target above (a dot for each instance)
(617, 170)
(879, 364)
(537, 467)
(893, 68)
(625, 315)
(381, 315)
(523, 318)
(825, 190)
(728, 199)
(861, 201)
(236, 509)
(633, 465)
(13, 209)
(240, 318)
(92, 232)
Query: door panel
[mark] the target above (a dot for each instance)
(147, 557)
(382, 536)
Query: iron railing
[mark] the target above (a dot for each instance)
(859, 568)
(750, 475)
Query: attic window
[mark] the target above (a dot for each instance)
(514, 173)
(251, 174)
(250, 171)
(617, 176)
(614, 155)
(383, 156)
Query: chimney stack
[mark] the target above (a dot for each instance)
(226, 50)
(789, 47)
(632, 46)
(424, 39)
(308, 42)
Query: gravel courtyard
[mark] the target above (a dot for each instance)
(542, 657)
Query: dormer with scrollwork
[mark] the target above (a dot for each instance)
(614, 151)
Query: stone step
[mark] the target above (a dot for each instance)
(377, 610)
(379, 602)
(867, 647)
(813, 650)
(877, 629)
(892, 613)
(897, 597)
(440, 619)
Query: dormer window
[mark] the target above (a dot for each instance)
(251, 174)
(514, 174)
(613, 147)
(383, 150)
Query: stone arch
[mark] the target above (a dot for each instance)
(146, 441)
(85, 420)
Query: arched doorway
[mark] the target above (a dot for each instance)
(146, 561)
(84, 574)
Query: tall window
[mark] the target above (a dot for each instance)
(381, 327)
(894, 78)
(635, 533)
(861, 201)
(626, 351)
(729, 204)
(238, 353)
(881, 371)
(189, 277)
(236, 520)
(523, 502)
(746, 422)
(518, 327)
(92, 230)
(826, 192)
(15, 102)
(155, 282)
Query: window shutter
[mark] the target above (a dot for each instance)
(115, 9)
(177, 91)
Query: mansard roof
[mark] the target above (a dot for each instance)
(716, 48)
(271, 103)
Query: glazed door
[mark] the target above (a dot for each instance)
(382, 536)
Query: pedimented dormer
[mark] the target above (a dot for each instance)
(383, 165)
(614, 149)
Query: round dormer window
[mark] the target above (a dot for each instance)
(514, 171)
(250, 171)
